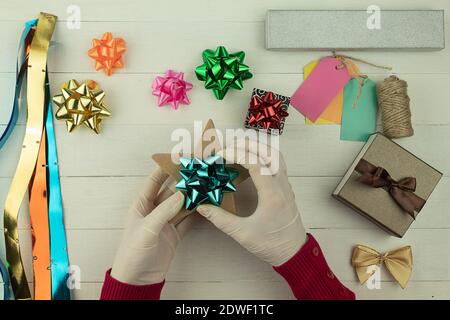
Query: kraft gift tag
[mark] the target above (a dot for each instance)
(359, 114)
(320, 88)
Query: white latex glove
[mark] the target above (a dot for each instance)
(149, 241)
(274, 232)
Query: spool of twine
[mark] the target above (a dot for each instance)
(393, 101)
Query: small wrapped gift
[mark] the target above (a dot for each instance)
(387, 184)
(267, 111)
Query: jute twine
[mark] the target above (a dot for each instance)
(393, 101)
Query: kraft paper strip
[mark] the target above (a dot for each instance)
(39, 226)
(58, 242)
(30, 149)
(5, 279)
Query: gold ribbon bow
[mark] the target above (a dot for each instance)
(398, 262)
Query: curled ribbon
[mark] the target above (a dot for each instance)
(402, 191)
(267, 112)
(398, 262)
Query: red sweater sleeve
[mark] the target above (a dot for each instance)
(116, 290)
(307, 273)
(310, 277)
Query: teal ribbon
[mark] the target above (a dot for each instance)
(21, 68)
(205, 180)
(58, 241)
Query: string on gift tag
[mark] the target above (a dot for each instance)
(355, 74)
(394, 101)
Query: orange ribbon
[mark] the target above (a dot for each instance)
(40, 226)
(107, 53)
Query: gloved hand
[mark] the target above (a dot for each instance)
(149, 241)
(274, 232)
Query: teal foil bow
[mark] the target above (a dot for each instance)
(205, 180)
(222, 71)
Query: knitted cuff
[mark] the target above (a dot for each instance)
(310, 277)
(116, 290)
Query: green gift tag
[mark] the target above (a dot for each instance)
(359, 111)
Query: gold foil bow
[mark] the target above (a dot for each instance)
(81, 104)
(398, 262)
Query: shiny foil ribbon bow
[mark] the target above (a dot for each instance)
(81, 103)
(402, 191)
(222, 71)
(398, 262)
(107, 53)
(205, 180)
(267, 111)
(171, 89)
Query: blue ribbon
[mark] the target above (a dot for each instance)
(58, 241)
(5, 277)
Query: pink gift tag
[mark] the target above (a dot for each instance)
(322, 85)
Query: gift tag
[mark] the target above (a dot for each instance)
(359, 114)
(320, 88)
(333, 112)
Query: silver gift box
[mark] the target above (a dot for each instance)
(355, 29)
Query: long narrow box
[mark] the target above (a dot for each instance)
(355, 29)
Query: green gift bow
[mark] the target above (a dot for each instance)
(205, 180)
(222, 71)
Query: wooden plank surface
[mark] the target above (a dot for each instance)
(101, 174)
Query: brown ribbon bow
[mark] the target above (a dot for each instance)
(402, 191)
(398, 262)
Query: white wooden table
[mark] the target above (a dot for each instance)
(101, 174)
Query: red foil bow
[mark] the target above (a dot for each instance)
(107, 53)
(402, 191)
(267, 112)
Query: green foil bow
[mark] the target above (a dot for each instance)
(205, 180)
(222, 71)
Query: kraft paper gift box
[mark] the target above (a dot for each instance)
(364, 186)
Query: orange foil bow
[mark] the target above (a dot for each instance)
(398, 262)
(107, 53)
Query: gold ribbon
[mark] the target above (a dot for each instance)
(398, 262)
(30, 148)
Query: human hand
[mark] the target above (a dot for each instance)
(274, 232)
(149, 240)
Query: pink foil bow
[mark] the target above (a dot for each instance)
(171, 89)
